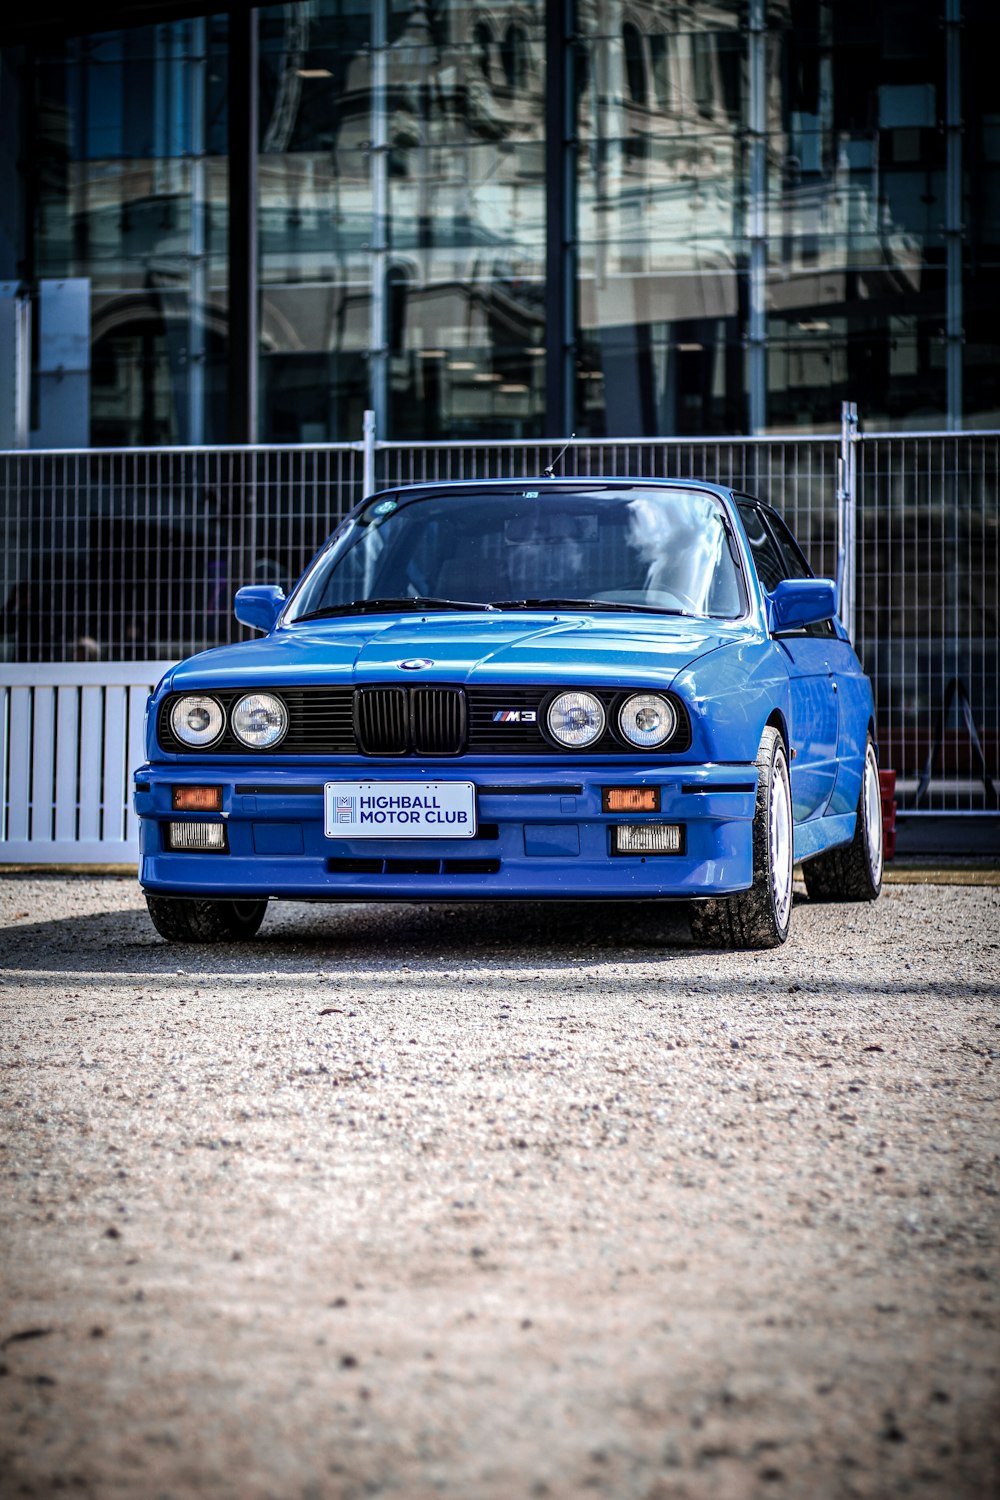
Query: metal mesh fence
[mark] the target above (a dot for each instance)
(928, 565)
(135, 555)
(799, 477)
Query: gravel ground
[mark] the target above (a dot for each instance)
(509, 1201)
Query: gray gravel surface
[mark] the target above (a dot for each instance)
(499, 1201)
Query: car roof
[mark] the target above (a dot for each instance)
(560, 482)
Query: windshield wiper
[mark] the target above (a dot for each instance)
(389, 606)
(605, 606)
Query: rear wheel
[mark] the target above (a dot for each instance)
(182, 919)
(761, 916)
(854, 871)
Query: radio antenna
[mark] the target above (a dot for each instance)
(550, 469)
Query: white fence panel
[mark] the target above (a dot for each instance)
(91, 746)
(67, 798)
(112, 782)
(71, 738)
(41, 796)
(17, 728)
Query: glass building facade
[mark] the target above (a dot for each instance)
(512, 220)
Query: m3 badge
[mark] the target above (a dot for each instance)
(515, 716)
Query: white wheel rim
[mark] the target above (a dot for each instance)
(873, 817)
(779, 817)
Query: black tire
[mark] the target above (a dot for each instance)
(761, 916)
(853, 872)
(182, 919)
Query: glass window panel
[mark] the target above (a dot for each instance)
(314, 220)
(139, 351)
(658, 214)
(460, 280)
(723, 19)
(130, 199)
(981, 212)
(465, 271)
(981, 350)
(129, 191)
(478, 389)
(892, 365)
(981, 379)
(467, 163)
(683, 377)
(313, 396)
(797, 246)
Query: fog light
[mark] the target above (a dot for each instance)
(197, 836)
(647, 838)
(630, 799)
(197, 798)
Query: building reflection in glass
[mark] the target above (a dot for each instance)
(127, 180)
(772, 206)
(403, 221)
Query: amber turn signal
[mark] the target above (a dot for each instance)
(630, 799)
(197, 798)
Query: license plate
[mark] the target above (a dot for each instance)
(399, 809)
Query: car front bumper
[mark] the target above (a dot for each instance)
(541, 834)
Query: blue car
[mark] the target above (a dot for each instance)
(544, 689)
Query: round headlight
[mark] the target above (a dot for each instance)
(647, 720)
(197, 720)
(576, 720)
(260, 720)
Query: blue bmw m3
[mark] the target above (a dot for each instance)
(552, 689)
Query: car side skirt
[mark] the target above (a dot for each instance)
(818, 834)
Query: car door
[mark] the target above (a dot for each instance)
(813, 687)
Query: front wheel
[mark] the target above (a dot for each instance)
(853, 872)
(761, 916)
(181, 919)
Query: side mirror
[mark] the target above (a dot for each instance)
(797, 602)
(259, 605)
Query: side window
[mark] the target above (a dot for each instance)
(796, 565)
(767, 559)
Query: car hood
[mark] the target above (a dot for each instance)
(593, 649)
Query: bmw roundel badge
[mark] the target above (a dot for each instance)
(415, 663)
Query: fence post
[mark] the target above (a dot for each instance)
(847, 518)
(15, 365)
(368, 443)
(757, 215)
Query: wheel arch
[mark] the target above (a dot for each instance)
(776, 720)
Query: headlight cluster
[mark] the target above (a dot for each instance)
(578, 720)
(197, 721)
(647, 720)
(257, 720)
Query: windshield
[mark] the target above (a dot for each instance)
(654, 550)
